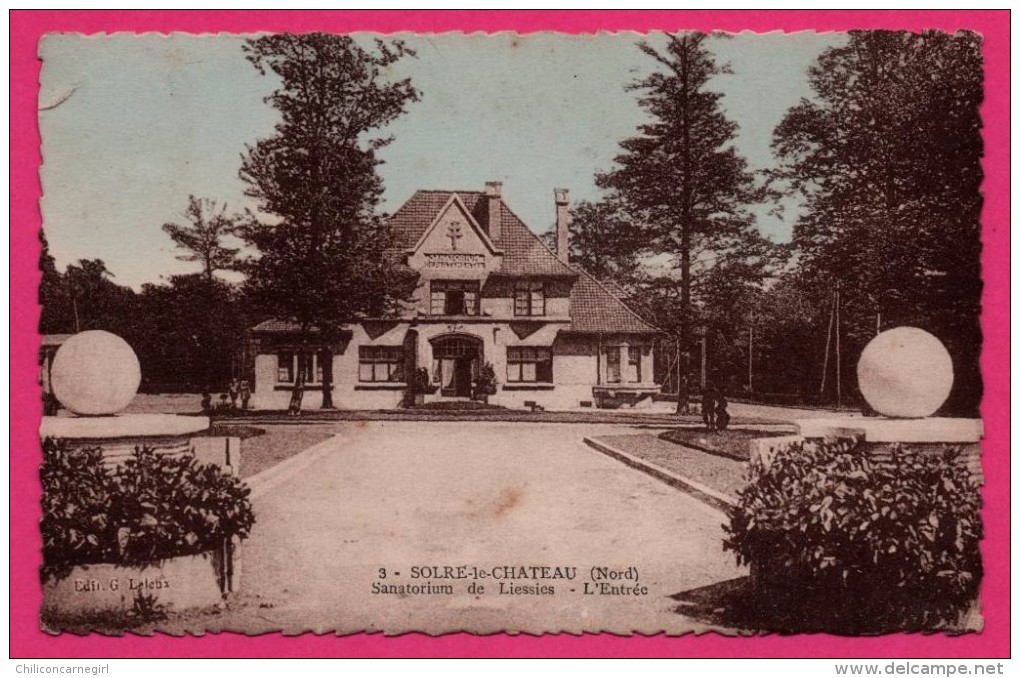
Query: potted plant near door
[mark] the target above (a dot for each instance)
(418, 387)
(485, 384)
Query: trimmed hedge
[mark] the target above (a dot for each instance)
(149, 508)
(869, 543)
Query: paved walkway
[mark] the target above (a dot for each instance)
(396, 495)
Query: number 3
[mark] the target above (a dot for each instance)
(382, 572)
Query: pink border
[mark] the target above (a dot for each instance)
(27, 641)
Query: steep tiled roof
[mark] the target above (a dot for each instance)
(615, 289)
(523, 252)
(593, 308)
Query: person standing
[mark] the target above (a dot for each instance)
(708, 408)
(722, 416)
(234, 390)
(245, 394)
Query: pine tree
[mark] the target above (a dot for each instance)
(684, 180)
(202, 238)
(322, 256)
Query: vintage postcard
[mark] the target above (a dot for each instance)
(624, 333)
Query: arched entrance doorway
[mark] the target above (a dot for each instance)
(456, 359)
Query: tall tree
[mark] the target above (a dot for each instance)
(322, 257)
(886, 157)
(202, 238)
(605, 242)
(683, 178)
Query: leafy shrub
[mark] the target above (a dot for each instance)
(422, 383)
(417, 385)
(149, 508)
(485, 384)
(76, 499)
(877, 543)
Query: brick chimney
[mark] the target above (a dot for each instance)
(493, 195)
(562, 224)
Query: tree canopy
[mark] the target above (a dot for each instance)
(202, 237)
(604, 241)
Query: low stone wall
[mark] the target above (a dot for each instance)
(177, 583)
(879, 436)
(558, 397)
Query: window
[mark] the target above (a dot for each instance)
(529, 298)
(634, 364)
(456, 347)
(454, 297)
(613, 364)
(381, 363)
(287, 366)
(529, 364)
(628, 372)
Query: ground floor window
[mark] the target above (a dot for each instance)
(629, 371)
(381, 363)
(287, 367)
(634, 364)
(613, 364)
(529, 364)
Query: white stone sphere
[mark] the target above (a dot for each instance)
(905, 372)
(95, 373)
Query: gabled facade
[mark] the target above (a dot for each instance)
(490, 292)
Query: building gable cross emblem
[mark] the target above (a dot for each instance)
(453, 232)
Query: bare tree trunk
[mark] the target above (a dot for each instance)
(683, 388)
(301, 378)
(326, 360)
(298, 394)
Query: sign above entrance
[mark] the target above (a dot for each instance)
(451, 260)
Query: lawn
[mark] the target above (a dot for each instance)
(266, 445)
(165, 403)
(718, 472)
(481, 413)
(733, 443)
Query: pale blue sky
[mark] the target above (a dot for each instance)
(153, 118)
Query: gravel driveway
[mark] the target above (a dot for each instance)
(395, 496)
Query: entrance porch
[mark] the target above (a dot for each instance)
(456, 361)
